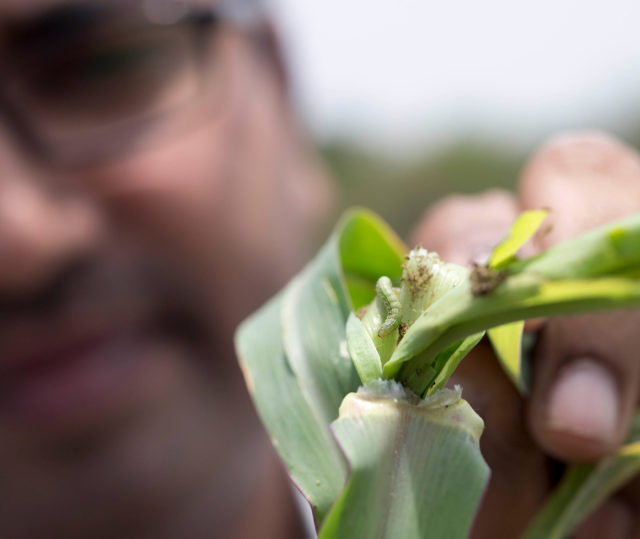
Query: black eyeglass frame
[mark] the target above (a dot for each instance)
(198, 19)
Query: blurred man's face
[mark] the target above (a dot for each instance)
(140, 206)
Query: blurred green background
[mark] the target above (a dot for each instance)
(400, 188)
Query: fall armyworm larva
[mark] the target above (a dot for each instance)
(384, 290)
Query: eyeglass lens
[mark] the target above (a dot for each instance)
(98, 72)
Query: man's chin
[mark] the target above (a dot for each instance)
(123, 453)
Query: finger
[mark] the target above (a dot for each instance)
(507, 447)
(629, 494)
(613, 520)
(586, 368)
(464, 228)
(585, 180)
(617, 517)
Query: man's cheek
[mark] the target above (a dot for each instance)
(173, 196)
(188, 168)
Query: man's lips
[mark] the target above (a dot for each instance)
(71, 375)
(31, 347)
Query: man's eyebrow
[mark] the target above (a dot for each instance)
(14, 10)
(64, 22)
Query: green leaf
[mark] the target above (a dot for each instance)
(520, 232)
(369, 249)
(507, 344)
(507, 340)
(425, 279)
(416, 470)
(613, 249)
(584, 488)
(362, 350)
(294, 356)
(435, 377)
(295, 359)
(314, 312)
(453, 360)
(297, 430)
(460, 314)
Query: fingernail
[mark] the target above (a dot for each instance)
(584, 402)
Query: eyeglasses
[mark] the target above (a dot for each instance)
(88, 80)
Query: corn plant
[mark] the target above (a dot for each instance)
(348, 368)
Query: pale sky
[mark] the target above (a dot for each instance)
(401, 72)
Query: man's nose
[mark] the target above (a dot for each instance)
(42, 227)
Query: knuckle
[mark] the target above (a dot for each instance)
(587, 179)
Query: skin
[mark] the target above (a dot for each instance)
(154, 257)
(586, 372)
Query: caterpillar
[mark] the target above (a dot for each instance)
(384, 290)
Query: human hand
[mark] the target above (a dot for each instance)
(586, 373)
